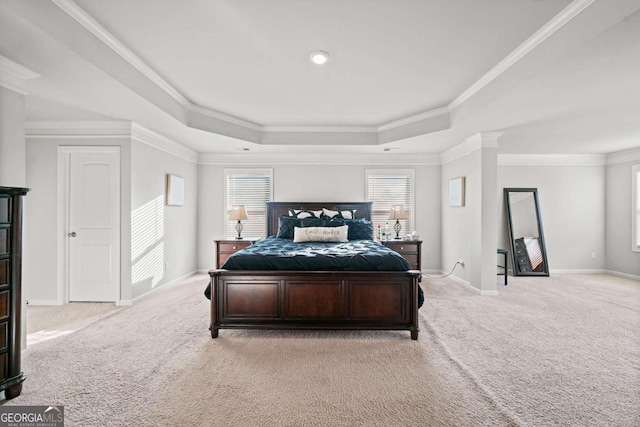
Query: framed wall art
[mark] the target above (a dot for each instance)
(456, 192)
(175, 190)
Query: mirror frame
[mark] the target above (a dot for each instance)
(543, 246)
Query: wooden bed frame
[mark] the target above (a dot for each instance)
(255, 299)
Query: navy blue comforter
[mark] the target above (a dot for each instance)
(274, 253)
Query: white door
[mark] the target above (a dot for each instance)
(94, 225)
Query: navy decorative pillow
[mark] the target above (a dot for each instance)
(286, 225)
(312, 222)
(359, 230)
(335, 222)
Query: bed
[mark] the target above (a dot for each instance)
(247, 295)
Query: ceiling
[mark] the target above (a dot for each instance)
(556, 76)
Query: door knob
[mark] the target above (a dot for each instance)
(72, 234)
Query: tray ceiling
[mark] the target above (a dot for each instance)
(409, 73)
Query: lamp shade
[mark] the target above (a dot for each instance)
(238, 213)
(397, 212)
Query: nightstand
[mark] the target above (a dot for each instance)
(226, 248)
(411, 250)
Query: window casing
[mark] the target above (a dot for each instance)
(389, 187)
(635, 214)
(251, 188)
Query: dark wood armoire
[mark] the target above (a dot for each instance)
(11, 377)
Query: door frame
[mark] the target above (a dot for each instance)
(63, 209)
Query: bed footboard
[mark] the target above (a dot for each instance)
(314, 300)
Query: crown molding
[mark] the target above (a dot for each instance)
(415, 118)
(108, 129)
(471, 144)
(551, 159)
(77, 129)
(14, 76)
(546, 31)
(162, 143)
(632, 155)
(484, 140)
(208, 112)
(297, 159)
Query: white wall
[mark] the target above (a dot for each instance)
(143, 171)
(41, 236)
(457, 221)
(620, 258)
(42, 215)
(160, 234)
(331, 183)
(469, 232)
(12, 143)
(572, 208)
(572, 199)
(579, 203)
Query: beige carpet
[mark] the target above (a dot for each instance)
(52, 317)
(46, 322)
(563, 350)
(479, 361)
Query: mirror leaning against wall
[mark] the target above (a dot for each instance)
(525, 232)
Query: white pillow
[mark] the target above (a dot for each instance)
(321, 234)
(299, 213)
(347, 214)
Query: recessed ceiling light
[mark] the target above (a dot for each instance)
(319, 57)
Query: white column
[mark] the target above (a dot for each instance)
(13, 149)
(485, 243)
(13, 93)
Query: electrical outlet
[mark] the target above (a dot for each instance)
(166, 266)
(593, 255)
(461, 262)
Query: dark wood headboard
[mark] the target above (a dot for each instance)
(276, 209)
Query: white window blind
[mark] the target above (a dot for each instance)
(387, 188)
(251, 188)
(636, 207)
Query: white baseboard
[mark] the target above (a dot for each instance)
(619, 274)
(578, 271)
(146, 294)
(481, 292)
(202, 271)
(596, 271)
(43, 302)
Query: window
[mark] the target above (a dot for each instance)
(251, 188)
(635, 216)
(387, 188)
